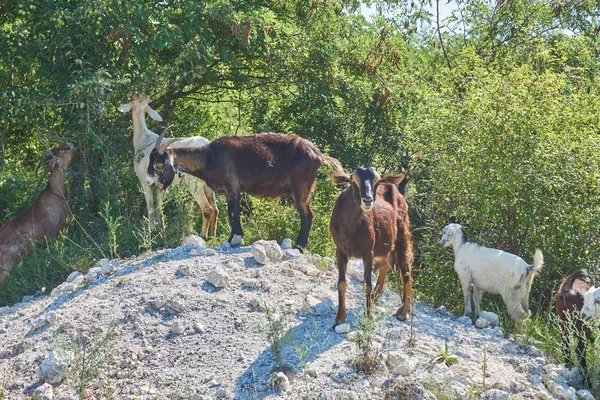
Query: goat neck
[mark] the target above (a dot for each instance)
(458, 241)
(141, 133)
(191, 161)
(56, 183)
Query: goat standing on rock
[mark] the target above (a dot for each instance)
(492, 271)
(576, 303)
(143, 140)
(265, 165)
(370, 221)
(42, 220)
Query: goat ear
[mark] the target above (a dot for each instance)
(153, 114)
(392, 179)
(340, 179)
(125, 108)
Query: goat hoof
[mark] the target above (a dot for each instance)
(236, 241)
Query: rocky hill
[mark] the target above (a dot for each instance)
(197, 323)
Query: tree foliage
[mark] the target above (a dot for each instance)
(499, 102)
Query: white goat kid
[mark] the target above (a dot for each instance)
(492, 271)
(143, 142)
(591, 304)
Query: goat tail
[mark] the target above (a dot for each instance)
(538, 261)
(334, 163)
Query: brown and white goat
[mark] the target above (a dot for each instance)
(370, 221)
(143, 140)
(576, 303)
(42, 220)
(265, 165)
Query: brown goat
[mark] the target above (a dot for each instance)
(370, 221)
(42, 220)
(571, 309)
(265, 165)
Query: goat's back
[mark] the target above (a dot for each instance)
(268, 164)
(493, 270)
(357, 232)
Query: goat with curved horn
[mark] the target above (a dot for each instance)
(143, 141)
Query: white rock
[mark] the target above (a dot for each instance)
(185, 270)
(55, 367)
(78, 281)
(562, 392)
(495, 394)
(280, 381)
(44, 392)
(194, 240)
(459, 390)
(291, 254)
(52, 317)
(217, 381)
(315, 306)
(198, 327)
(271, 248)
(286, 244)
(106, 267)
(311, 270)
(584, 395)
(177, 327)
(93, 274)
(491, 317)
(39, 323)
(482, 323)
(217, 277)
(441, 310)
(464, 320)
(250, 283)
(203, 252)
(156, 303)
(226, 246)
(174, 306)
(535, 379)
(259, 253)
(73, 275)
(355, 274)
(399, 364)
(221, 393)
(342, 328)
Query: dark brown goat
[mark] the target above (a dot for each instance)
(265, 165)
(570, 304)
(42, 220)
(370, 221)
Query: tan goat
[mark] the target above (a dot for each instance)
(42, 220)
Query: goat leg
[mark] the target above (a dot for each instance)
(368, 266)
(342, 261)
(233, 214)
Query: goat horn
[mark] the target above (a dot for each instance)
(166, 144)
(43, 160)
(160, 137)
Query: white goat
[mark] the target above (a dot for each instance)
(143, 142)
(492, 271)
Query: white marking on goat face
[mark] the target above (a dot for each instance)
(448, 234)
(366, 179)
(591, 303)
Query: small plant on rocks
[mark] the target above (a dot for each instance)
(90, 356)
(368, 359)
(445, 356)
(275, 331)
